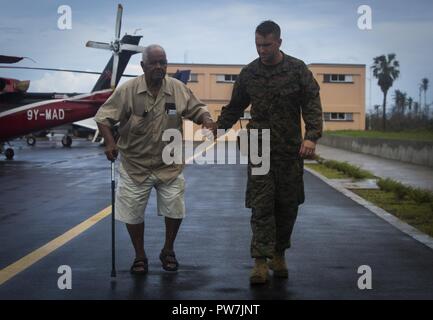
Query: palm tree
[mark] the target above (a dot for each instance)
(400, 101)
(424, 87)
(416, 108)
(410, 103)
(385, 69)
(420, 91)
(403, 102)
(376, 107)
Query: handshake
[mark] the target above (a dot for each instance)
(209, 128)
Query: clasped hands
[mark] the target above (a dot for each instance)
(212, 126)
(307, 149)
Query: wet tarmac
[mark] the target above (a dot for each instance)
(47, 190)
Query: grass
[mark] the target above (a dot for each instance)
(412, 205)
(326, 171)
(411, 135)
(346, 169)
(401, 191)
(418, 215)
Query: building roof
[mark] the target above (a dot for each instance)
(206, 64)
(338, 65)
(350, 65)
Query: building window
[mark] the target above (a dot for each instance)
(230, 78)
(193, 77)
(339, 78)
(337, 116)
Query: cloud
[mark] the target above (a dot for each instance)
(133, 68)
(64, 82)
(206, 32)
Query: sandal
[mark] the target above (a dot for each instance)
(168, 260)
(140, 266)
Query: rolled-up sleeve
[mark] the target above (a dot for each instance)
(311, 106)
(239, 101)
(111, 111)
(195, 109)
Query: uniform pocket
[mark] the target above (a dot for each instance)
(173, 117)
(290, 185)
(138, 124)
(170, 109)
(260, 191)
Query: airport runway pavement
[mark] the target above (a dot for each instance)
(47, 191)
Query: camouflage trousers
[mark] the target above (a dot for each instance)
(274, 199)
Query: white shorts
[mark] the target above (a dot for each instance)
(131, 199)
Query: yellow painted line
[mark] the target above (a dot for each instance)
(13, 269)
(33, 257)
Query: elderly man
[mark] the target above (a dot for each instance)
(280, 89)
(144, 107)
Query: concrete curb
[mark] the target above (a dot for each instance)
(388, 217)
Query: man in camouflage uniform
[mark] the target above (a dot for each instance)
(279, 88)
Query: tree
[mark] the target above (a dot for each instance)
(385, 69)
(400, 99)
(410, 103)
(416, 108)
(376, 107)
(424, 87)
(420, 91)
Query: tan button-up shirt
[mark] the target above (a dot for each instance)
(143, 119)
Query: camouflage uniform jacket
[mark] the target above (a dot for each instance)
(278, 96)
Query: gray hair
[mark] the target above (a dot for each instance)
(146, 51)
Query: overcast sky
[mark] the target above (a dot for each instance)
(218, 32)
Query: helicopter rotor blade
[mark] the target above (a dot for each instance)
(98, 45)
(62, 70)
(118, 22)
(132, 47)
(115, 66)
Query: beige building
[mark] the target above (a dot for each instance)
(342, 91)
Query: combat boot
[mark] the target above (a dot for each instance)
(259, 274)
(278, 265)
